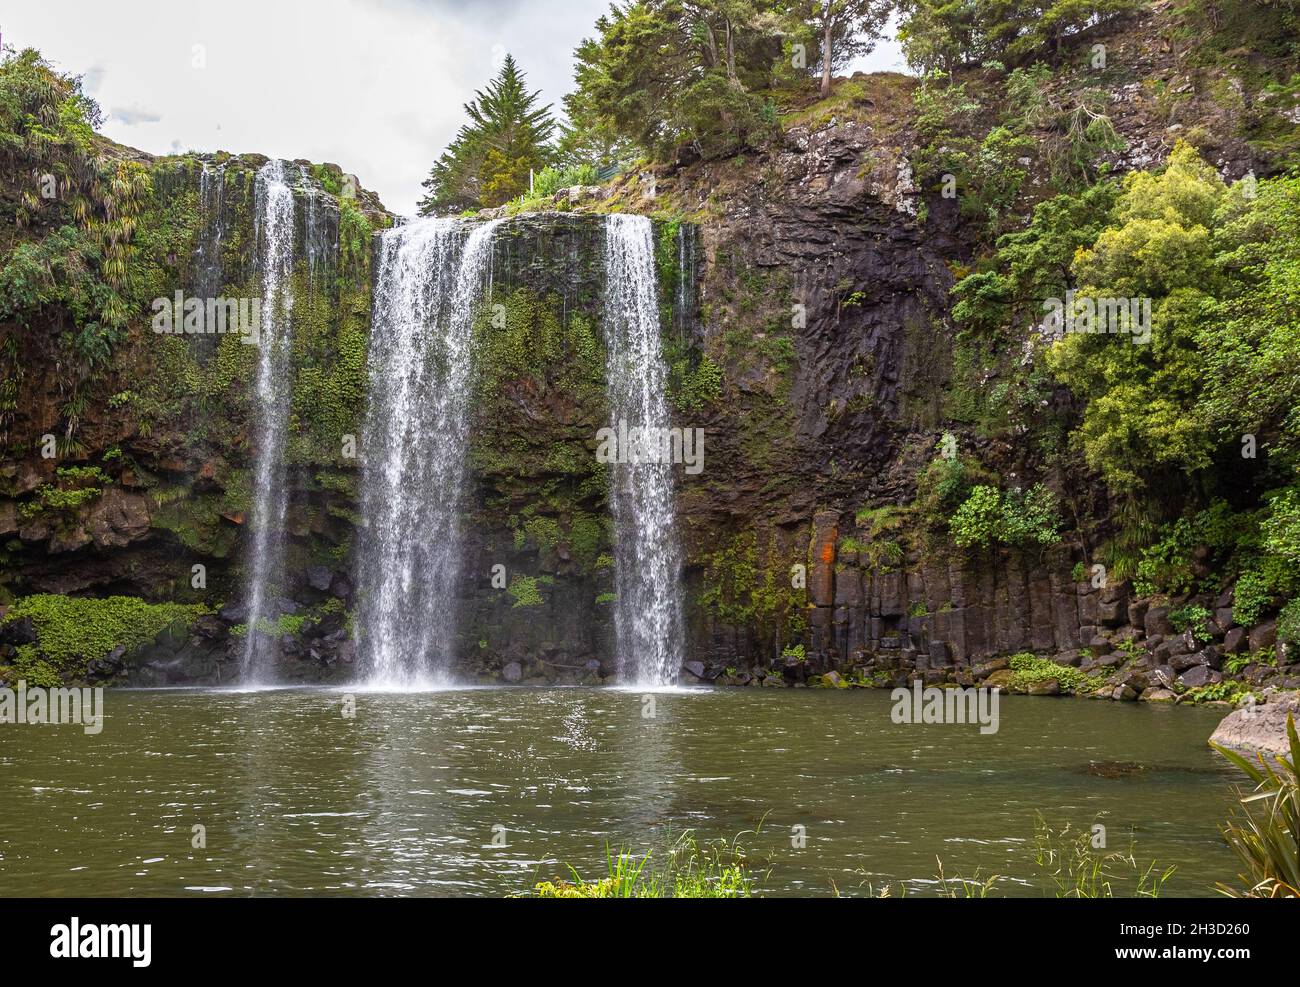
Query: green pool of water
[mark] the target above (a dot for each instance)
(415, 793)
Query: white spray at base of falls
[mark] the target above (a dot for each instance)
(648, 615)
(274, 238)
(432, 274)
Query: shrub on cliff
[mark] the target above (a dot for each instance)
(69, 263)
(939, 34)
(1014, 518)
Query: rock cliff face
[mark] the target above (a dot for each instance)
(133, 478)
(805, 315)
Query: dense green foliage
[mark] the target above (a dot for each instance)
(69, 211)
(1194, 431)
(983, 151)
(946, 34)
(987, 517)
(705, 77)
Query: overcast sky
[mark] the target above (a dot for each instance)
(375, 86)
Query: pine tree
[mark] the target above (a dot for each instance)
(489, 161)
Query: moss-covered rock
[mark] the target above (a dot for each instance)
(71, 633)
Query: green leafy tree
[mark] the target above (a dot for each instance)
(1252, 345)
(1033, 264)
(938, 36)
(844, 30)
(492, 156)
(945, 34)
(1141, 415)
(666, 75)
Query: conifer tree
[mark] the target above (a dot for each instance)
(489, 161)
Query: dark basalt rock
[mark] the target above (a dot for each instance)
(320, 577)
(18, 631)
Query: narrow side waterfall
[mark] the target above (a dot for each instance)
(432, 273)
(648, 616)
(685, 279)
(320, 237)
(207, 252)
(275, 223)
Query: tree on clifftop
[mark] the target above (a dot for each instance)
(670, 74)
(489, 161)
(845, 30)
(941, 35)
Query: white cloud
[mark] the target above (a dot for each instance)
(130, 116)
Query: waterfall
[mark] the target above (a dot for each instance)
(320, 235)
(274, 238)
(647, 563)
(432, 274)
(685, 256)
(207, 252)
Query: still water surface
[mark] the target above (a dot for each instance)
(403, 798)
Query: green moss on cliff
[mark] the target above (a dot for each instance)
(524, 591)
(540, 397)
(520, 335)
(195, 520)
(694, 380)
(71, 632)
(329, 351)
(74, 487)
(748, 585)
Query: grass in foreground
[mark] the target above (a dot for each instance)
(1265, 834)
(718, 869)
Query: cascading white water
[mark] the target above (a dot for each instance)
(647, 563)
(274, 238)
(432, 274)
